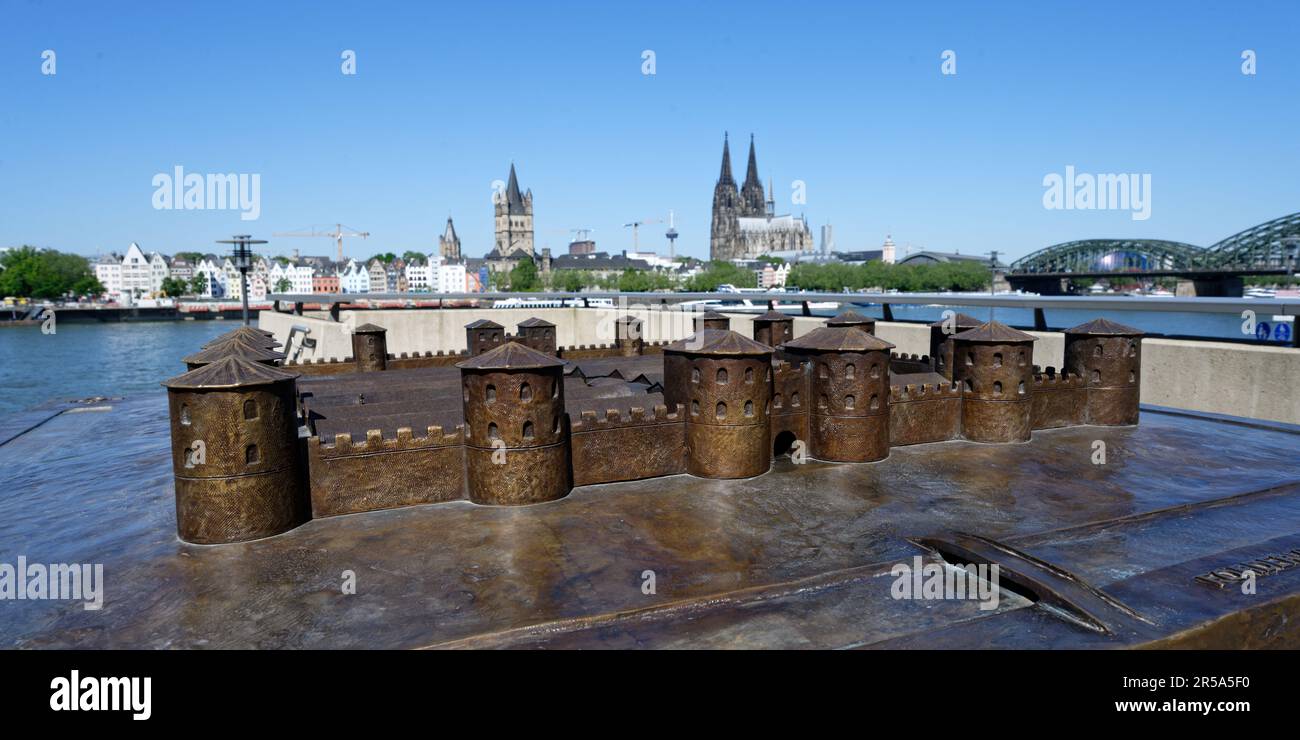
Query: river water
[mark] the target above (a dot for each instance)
(82, 360)
(116, 359)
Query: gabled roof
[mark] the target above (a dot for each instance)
(849, 318)
(1106, 328)
(510, 356)
(484, 324)
(995, 331)
(838, 339)
(229, 372)
(534, 322)
(718, 342)
(961, 321)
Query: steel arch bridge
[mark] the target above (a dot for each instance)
(1112, 255)
(1271, 245)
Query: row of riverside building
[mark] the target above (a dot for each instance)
(138, 275)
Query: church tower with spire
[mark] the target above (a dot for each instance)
(449, 243)
(727, 208)
(514, 218)
(745, 223)
(751, 193)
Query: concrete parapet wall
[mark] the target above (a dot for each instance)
(1216, 377)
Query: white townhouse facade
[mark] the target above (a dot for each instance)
(354, 278)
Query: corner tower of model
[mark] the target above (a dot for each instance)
(234, 437)
(1109, 358)
(726, 382)
(516, 443)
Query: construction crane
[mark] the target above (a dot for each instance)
(636, 225)
(337, 234)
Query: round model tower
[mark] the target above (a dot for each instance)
(724, 380)
(235, 453)
(516, 443)
(483, 335)
(628, 337)
(849, 418)
(941, 334)
(370, 348)
(712, 320)
(773, 328)
(1109, 358)
(994, 365)
(854, 320)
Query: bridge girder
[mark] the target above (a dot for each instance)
(1272, 244)
(1094, 255)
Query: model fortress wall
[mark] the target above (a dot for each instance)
(259, 448)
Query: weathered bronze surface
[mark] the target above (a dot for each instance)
(1109, 358)
(628, 337)
(236, 346)
(235, 452)
(993, 365)
(799, 558)
(712, 320)
(483, 335)
(370, 348)
(516, 444)
(853, 319)
(941, 340)
(392, 439)
(726, 382)
(773, 328)
(849, 393)
(538, 334)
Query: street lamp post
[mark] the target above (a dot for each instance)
(242, 256)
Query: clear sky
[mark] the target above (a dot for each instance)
(847, 97)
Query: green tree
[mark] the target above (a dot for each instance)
(198, 284)
(46, 273)
(191, 257)
(718, 273)
(569, 281)
(411, 255)
(283, 285)
(173, 287)
(524, 278)
(385, 257)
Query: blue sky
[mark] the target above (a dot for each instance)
(846, 97)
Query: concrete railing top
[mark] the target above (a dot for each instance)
(1280, 306)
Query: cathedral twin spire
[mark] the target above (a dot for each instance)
(751, 193)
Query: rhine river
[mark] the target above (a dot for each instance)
(118, 359)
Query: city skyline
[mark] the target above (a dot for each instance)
(857, 110)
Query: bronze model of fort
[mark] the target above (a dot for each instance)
(260, 447)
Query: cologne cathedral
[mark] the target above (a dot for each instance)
(745, 224)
